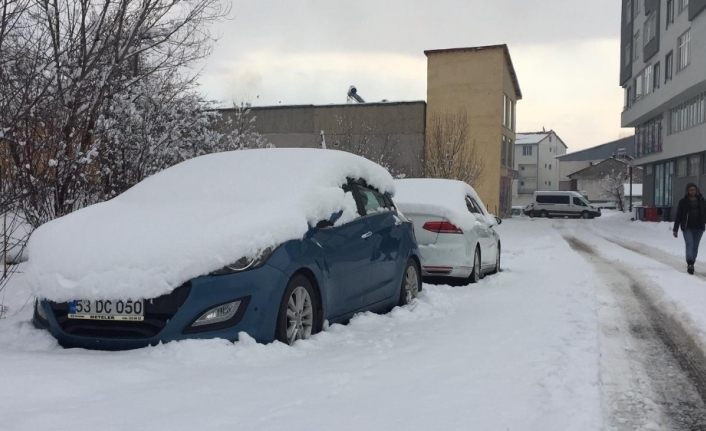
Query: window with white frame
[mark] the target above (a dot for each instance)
(689, 114)
(682, 166)
(694, 165)
(647, 78)
(668, 66)
(683, 49)
(526, 150)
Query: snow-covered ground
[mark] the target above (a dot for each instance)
(518, 351)
(562, 339)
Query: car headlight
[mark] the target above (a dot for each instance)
(246, 263)
(41, 312)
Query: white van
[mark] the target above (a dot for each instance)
(561, 204)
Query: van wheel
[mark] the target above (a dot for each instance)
(476, 273)
(585, 214)
(544, 214)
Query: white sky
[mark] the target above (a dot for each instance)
(565, 52)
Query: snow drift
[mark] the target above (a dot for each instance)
(442, 197)
(192, 219)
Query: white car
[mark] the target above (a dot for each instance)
(454, 230)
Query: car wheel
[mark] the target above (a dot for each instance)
(544, 214)
(411, 283)
(299, 317)
(497, 261)
(585, 214)
(476, 273)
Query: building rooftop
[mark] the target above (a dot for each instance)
(530, 138)
(503, 46)
(624, 146)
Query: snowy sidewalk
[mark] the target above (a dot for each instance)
(518, 351)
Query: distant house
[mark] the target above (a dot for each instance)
(597, 182)
(578, 160)
(536, 164)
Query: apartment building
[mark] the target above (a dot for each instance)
(536, 164)
(663, 74)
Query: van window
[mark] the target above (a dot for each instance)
(553, 199)
(580, 202)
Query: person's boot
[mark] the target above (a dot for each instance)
(690, 269)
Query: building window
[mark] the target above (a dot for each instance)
(648, 170)
(522, 183)
(668, 66)
(628, 97)
(628, 54)
(689, 114)
(682, 167)
(648, 79)
(694, 165)
(508, 112)
(526, 150)
(648, 138)
(550, 167)
(683, 49)
(655, 73)
(683, 5)
(670, 12)
(650, 28)
(636, 45)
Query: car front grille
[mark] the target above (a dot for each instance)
(158, 311)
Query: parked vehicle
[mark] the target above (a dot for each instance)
(455, 233)
(561, 204)
(269, 242)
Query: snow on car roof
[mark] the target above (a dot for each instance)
(435, 196)
(192, 219)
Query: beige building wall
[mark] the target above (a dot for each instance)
(474, 81)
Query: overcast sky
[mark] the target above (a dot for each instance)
(565, 52)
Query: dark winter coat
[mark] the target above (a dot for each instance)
(682, 218)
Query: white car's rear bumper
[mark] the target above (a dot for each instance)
(446, 260)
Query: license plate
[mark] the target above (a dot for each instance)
(123, 310)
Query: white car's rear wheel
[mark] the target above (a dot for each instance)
(476, 273)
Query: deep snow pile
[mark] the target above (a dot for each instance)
(446, 198)
(517, 351)
(191, 219)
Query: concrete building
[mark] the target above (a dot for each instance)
(623, 148)
(663, 74)
(599, 181)
(391, 134)
(479, 83)
(536, 164)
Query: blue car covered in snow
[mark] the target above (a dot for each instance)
(269, 242)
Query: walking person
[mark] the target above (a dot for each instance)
(691, 217)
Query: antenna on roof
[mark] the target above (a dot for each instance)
(543, 129)
(353, 95)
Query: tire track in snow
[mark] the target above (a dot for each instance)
(666, 368)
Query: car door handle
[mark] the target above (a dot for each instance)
(366, 235)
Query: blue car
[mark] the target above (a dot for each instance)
(367, 262)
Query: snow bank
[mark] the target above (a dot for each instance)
(191, 219)
(446, 198)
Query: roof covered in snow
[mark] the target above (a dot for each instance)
(192, 219)
(530, 138)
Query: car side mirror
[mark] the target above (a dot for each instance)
(324, 224)
(499, 220)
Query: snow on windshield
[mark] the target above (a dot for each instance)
(192, 219)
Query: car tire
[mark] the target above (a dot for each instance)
(476, 272)
(497, 261)
(585, 215)
(299, 314)
(411, 283)
(544, 214)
